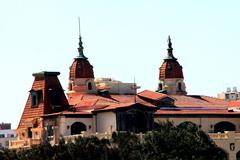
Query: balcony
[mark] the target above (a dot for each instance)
(28, 143)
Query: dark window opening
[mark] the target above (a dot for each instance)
(134, 121)
(30, 132)
(179, 86)
(224, 126)
(77, 128)
(36, 97)
(55, 97)
(221, 154)
(89, 86)
(160, 86)
(50, 130)
(238, 155)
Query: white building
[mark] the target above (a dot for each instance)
(5, 136)
(230, 94)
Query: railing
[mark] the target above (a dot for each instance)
(23, 143)
(72, 138)
(225, 135)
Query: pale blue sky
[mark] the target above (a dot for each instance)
(122, 39)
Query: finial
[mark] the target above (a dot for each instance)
(80, 48)
(169, 43)
(170, 50)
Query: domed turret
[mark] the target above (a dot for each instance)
(81, 67)
(81, 75)
(171, 75)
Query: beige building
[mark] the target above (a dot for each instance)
(101, 106)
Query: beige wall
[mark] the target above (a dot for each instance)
(65, 124)
(171, 85)
(224, 141)
(204, 122)
(106, 122)
(5, 141)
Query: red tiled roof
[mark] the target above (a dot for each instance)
(83, 101)
(235, 103)
(170, 69)
(44, 81)
(68, 113)
(185, 104)
(202, 111)
(152, 95)
(81, 68)
(123, 105)
(198, 101)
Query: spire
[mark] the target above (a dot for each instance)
(170, 50)
(80, 48)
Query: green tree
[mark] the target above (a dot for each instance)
(185, 142)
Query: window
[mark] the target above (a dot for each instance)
(227, 96)
(160, 86)
(50, 130)
(2, 135)
(55, 97)
(89, 86)
(36, 96)
(179, 86)
(30, 132)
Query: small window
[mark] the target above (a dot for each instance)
(160, 86)
(55, 96)
(89, 86)
(30, 132)
(227, 96)
(36, 96)
(50, 130)
(2, 135)
(179, 86)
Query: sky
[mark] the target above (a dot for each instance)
(124, 40)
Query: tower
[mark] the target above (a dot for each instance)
(81, 76)
(171, 80)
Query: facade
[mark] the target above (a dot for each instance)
(5, 126)
(104, 105)
(230, 94)
(6, 134)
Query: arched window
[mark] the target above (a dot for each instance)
(179, 86)
(89, 86)
(238, 155)
(221, 154)
(224, 126)
(160, 86)
(35, 97)
(77, 128)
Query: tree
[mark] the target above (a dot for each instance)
(183, 142)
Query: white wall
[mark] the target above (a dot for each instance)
(106, 122)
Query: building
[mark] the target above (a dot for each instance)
(6, 134)
(5, 126)
(104, 105)
(230, 94)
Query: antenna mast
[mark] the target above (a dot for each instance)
(79, 26)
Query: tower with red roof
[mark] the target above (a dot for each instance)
(81, 75)
(171, 80)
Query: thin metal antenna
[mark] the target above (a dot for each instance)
(79, 26)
